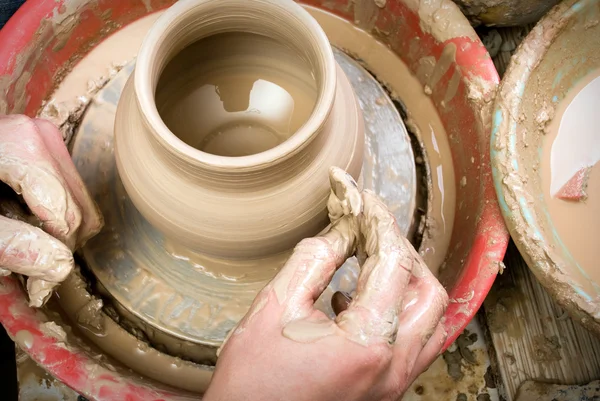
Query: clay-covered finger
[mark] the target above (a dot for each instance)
(430, 351)
(309, 270)
(92, 220)
(27, 166)
(313, 262)
(423, 307)
(39, 291)
(30, 251)
(372, 316)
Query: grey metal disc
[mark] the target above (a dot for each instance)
(174, 302)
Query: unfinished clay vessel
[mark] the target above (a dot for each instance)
(225, 133)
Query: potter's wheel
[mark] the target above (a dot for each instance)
(176, 303)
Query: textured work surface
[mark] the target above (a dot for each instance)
(532, 336)
(539, 391)
(462, 373)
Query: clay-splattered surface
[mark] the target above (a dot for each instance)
(35, 384)
(539, 391)
(533, 337)
(462, 373)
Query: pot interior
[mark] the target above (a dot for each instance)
(236, 93)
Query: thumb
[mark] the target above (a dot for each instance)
(30, 251)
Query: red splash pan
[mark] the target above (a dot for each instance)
(45, 38)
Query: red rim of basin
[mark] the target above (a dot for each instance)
(33, 49)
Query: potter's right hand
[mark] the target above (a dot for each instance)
(389, 333)
(35, 163)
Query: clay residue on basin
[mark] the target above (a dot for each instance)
(571, 173)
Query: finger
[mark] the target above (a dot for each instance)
(373, 313)
(311, 266)
(30, 251)
(91, 218)
(309, 270)
(304, 277)
(27, 167)
(423, 306)
(39, 291)
(314, 261)
(431, 351)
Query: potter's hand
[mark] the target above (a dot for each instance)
(390, 332)
(35, 163)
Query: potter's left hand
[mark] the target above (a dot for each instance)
(390, 332)
(35, 163)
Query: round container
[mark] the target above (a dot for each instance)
(461, 84)
(233, 207)
(555, 56)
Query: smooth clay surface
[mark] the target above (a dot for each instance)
(236, 94)
(572, 145)
(247, 207)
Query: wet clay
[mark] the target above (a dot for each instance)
(423, 121)
(572, 149)
(73, 296)
(236, 94)
(76, 90)
(236, 207)
(175, 279)
(380, 60)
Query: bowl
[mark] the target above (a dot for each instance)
(554, 58)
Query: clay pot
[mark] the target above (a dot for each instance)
(505, 12)
(254, 204)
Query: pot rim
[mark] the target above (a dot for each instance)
(145, 73)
